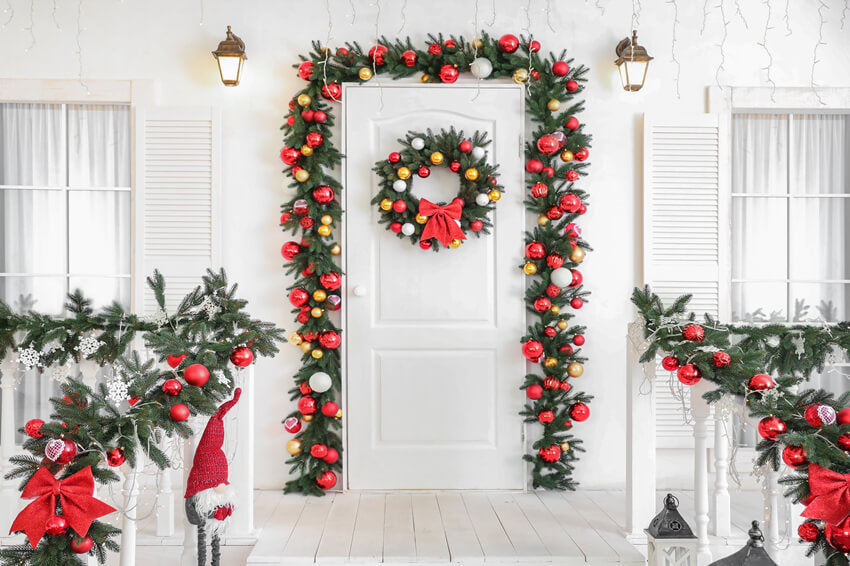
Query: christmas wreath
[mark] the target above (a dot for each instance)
(421, 220)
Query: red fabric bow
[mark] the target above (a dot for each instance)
(79, 507)
(830, 500)
(441, 224)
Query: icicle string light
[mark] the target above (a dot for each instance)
(636, 10)
(527, 17)
(549, 15)
(722, 44)
(403, 17)
(844, 13)
(821, 7)
(599, 6)
(493, 15)
(673, 45)
(30, 27)
(704, 17)
(201, 6)
(763, 45)
(55, 20)
(740, 14)
(353, 11)
(80, 47)
(787, 17)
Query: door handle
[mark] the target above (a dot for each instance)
(359, 291)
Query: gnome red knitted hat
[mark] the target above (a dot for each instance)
(209, 466)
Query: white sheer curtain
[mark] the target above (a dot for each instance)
(65, 211)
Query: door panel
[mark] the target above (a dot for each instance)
(432, 354)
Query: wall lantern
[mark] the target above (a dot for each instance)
(670, 540)
(229, 55)
(753, 554)
(632, 62)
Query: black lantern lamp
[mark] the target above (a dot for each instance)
(632, 62)
(229, 56)
(670, 540)
(753, 554)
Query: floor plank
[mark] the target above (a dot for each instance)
(594, 547)
(607, 528)
(528, 546)
(335, 545)
(367, 542)
(428, 530)
(276, 533)
(562, 548)
(460, 534)
(302, 544)
(491, 534)
(399, 540)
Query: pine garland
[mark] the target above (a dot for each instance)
(793, 353)
(552, 84)
(96, 423)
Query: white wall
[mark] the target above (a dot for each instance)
(163, 40)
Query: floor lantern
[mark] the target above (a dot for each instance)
(753, 554)
(670, 540)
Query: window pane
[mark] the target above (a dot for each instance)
(32, 231)
(760, 153)
(820, 302)
(103, 291)
(818, 239)
(43, 294)
(759, 302)
(99, 232)
(32, 145)
(821, 153)
(759, 236)
(99, 145)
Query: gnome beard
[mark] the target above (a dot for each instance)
(213, 508)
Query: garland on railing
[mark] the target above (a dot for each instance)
(809, 431)
(92, 430)
(554, 161)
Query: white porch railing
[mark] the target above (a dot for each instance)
(167, 502)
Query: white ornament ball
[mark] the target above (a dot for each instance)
(478, 153)
(399, 186)
(407, 229)
(320, 382)
(481, 68)
(481, 199)
(417, 143)
(561, 277)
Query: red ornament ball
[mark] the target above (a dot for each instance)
(314, 139)
(838, 536)
(578, 340)
(688, 374)
(115, 457)
(435, 49)
(534, 392)
(425, 244)
(818, 415)
(332, 91)
(332, 456)
(582, 154)
(56, 525)
(670, 363)
(532, 349)
(33, 428)
(409, 58)
(306, 405)
(808, 532)
(560, 68)
(572, 175)
(552, 291)
(546, 417)
(533, 166)
(394, 157)
(534, 46)
(330, 409)
(330, 340)
(843, 416)
(550, 453)
(448, 73)
(577, 278)
(376, 53)
(579, 412)
(551, 382)
(476, 225)
(565, 386)
(539, 190)
(771, 427)
(760, 382)
(399, 206)
(454, 167)
(304, 388)
(548, 171)
(290, 250)
(327, 480)
(554, 260)
(179, 412)
(323, 194)
(290, 155)
(572, 124)
(69, 452)
(794, 456)
(308, 115)
(318, 451)
(298, 297)
(330, 280)
(693, 332)
(306, 222)
(535, 250)
(80, 545)
(465, 146)
(395, 227)
(721, 359)
(844, 442)
(292, 425)
(242, 356)
(197, 375)
(542, 304)
(305, 70)
(424, 172)
(548, 144)
(290, 120)
(554, 213)
(320, 116)
(172, 387)
(577, 303)
(508, 43)
(569, 202)
(571, 86)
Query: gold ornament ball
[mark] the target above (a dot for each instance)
(421, 219)
(386, 204)
(316, 312)
(324, 230)
(302, 175)
(454, 244)
(550, 362)
(307, 418)
(471, 174)
(319, 295)
(327, 220)
(529, 268)
(317, 354)
(335, 249)
(306, 150)
(293, 447)
(567, 156)
(542, 220)
(520, 76)
(577, 255)
(403, 173)
(563, 324)
(554, 105)
(365, 73)
(338, 414)
(295, 339)
(477, 43)
(555, 309)
(494, 195)
(304, 100)
(437, 158)
(575, 369)
(565, 447)
(305, 347)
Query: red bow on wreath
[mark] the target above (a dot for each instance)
(830, 499)
(441, 222)
(79, 507)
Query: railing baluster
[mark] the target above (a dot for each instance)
(240, 423)
(701, 411)
(721, 513)
(8, 493)
(128, 522)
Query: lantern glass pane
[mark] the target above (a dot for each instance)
(624, 76)
(229, 67)
(636, 73)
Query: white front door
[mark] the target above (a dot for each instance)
(432, 359)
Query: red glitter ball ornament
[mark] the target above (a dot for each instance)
(550, 453)
(535, 250)
(306, 405)
(172, 387)
(115, 457)
(409, 58)
(721, 359)
(760, 382)
(670, 363)
(552, 291)
(688, 374)
(551, 382)
(844, 442)
(56, 525)
(289, 250)
(572, 175)
(323, 194)
(290, 155)
(376, 53)
(554, 260)
(838, 536)
(305, 70)
(545, 417)
(577, 303)
(242, 356)
(808, 532)
(33, 428)
(330, 340)
(794, 456)
(569, 202)
(771, 427)
(318, 451)
(539, 190)
(331, 280)
(332, 91)
(435, 49)
(542, 304)
(314, 139)
(693, 332)
(327, 480)
(532, 349)
(448, 73)
(579, 412)
(508, 43)
(548, 144)
(298, 297)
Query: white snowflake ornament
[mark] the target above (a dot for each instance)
(118, 391)
(29, 357)
(88, 345)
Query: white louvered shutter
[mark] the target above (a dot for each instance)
(685, 233)
(177, 227)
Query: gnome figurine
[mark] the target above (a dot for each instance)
(209, 497)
